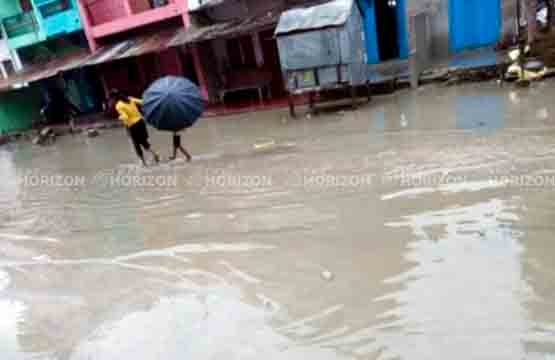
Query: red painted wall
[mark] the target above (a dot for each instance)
(134, 75)
(138, 6)
(102, 11)
(170, 63)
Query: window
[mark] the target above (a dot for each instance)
(55, 7)
(26, 5)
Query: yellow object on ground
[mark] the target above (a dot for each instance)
(264, 146)
(515, 70)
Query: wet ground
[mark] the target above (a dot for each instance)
(418, 227)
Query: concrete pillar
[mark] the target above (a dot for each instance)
(201, 75)
(128, 8)
(16, 61)
(258, 52)
(3, 70)
(87, 26)
(531, 14)
(183, 5)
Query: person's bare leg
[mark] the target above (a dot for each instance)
(186, 153)
(176, 144)
(155, 156)
(174, 156)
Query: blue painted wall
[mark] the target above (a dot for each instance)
(367, 8)
(473, 23)
(368, 11)
(402, 29)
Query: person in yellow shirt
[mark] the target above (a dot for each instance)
(128, 109)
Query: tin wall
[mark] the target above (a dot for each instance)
(438, 12)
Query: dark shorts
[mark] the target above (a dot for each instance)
(139, 134)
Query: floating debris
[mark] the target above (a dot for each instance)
(92, 133)
(327, 275)
(265, 145)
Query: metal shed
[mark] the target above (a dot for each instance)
(322, 47)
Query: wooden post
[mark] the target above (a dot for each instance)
(291, 102)
(201, 75)
(353, 97)
(311, 102)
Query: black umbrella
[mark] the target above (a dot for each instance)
(172, 103)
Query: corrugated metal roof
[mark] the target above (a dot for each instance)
(141, 45)
(195, 34)
(333, 13)
(134, 47)
(83, 58)
(207, 4)
(41, 71)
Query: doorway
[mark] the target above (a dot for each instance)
(386, 29)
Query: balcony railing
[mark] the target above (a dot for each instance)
(104, 11)
(49, 8)
(58, 16)
(20, 24)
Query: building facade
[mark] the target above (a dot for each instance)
(109, 22)
(29, 22)
(105, 18)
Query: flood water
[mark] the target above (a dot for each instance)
(398, 231)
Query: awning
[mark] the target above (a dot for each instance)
(206, 4)
(81, 58)
(41, 71)
(195, 34)
(333, 13)
(136, 46)
(140, 45)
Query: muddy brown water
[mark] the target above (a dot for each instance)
(392, 232)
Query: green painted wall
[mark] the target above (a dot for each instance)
(19, 108)
(9, 8)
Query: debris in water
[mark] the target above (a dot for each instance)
(45, 137)
(542, 114)
(327, 275)
(46, 132)
(513, 96)
(92, 133)
(264, 146)
(404, 122)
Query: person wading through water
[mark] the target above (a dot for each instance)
(128, 109)
(177, 146)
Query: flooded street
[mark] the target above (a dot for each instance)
(417, 227)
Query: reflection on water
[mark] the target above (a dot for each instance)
(480, 112)
(292, 269)
(213, 324)
(12, 312)
(471, 257)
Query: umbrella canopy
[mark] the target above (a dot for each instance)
(172, 103)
